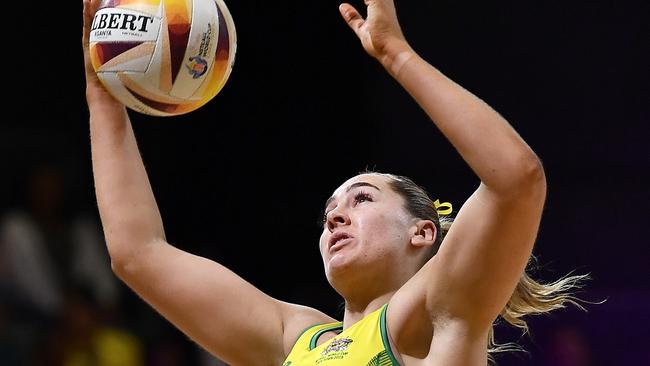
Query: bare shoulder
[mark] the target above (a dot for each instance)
(297, 318)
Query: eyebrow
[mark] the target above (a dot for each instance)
(351, 187)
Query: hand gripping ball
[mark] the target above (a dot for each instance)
(163, 57)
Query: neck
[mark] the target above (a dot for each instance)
(356, 309)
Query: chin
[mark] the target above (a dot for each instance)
(338, 268)
(340, 261)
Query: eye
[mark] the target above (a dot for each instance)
(362, 197)
(323, 220)
(359, 197)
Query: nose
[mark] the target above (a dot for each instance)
(336, 218)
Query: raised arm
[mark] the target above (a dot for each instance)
(484, 254)
(213, 306)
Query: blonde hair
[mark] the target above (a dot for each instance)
(534, 298)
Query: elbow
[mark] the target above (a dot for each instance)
(118, 268)
(531, 178)
(531, 170)
(526, 179)
(125, 259)
(121, 260)
(130, 249)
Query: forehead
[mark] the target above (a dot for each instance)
(375, 179)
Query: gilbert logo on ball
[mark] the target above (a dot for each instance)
(163, 57)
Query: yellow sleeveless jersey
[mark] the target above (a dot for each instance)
(365, 343)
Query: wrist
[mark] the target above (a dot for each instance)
(105, 106)
(396, 56)
(97, 95)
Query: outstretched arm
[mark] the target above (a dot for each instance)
(483, 256)
(209, 303)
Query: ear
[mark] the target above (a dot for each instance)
(424, 233)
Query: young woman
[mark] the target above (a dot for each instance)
(417, 291)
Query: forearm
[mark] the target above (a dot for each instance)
(127, 206)
(484, 139)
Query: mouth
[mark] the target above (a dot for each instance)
(338, 240)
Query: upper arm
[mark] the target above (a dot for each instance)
(485, 253)
(213, 306)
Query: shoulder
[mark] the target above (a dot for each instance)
(297, 319)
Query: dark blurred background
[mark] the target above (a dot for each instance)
(243, 179)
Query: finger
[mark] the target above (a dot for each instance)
(86, 15)
(352, 17)
(87, 20)
(89, 9)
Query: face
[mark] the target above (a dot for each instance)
(365, 228)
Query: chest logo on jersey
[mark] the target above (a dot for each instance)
(336, 350)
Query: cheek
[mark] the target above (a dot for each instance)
(321, 243)
(383, 227)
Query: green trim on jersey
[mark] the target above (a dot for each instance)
(382, 359)
(384, 335)
(314, 338)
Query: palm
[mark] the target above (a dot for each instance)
(366, 36)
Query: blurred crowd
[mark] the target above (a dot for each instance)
(60, 302)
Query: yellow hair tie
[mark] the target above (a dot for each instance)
(444, 208)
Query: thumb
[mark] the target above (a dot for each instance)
(89, 8)
(351, 16)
